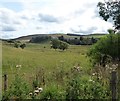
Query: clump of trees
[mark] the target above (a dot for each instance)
(16, 45)
(57, 44)
(22, 46)
(110, 10)
(79, 41)
(107, 48)
(40, 39)
(73, 41)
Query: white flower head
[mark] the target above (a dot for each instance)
(90, 80)
(18, 66)
(93, 74)
(36, 91)
(30, 94)
(40, 89)
(116, 65)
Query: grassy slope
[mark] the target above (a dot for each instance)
(27, 38)
(36, 56)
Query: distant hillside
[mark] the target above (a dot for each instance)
(28, 37)
(68, 35)
(89, 35)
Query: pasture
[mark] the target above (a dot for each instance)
(53, 70)
(36, 56)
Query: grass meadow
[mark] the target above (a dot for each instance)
(61, 74)
(36, 56)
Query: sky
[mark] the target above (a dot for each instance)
(27, 17)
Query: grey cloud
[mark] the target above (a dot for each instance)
(4, 17)
(10, 21)
(9, 17)
(8, 28)
(38, 27)
(24, 17)
(6, 36)
(85, 7)
(48, 18)
(86, 31)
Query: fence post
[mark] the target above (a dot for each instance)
(5, 82)
(114, 85)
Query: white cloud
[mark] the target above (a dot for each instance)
(47, 16)
(10, 19)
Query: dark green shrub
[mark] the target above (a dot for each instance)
(57, 44)
(18, 90)
(105, 49)
(79, 87)
(63, 45)
(52, 93)
(16, 45)
(23, 46)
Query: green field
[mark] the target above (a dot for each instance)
(36, 56)
(52, 68)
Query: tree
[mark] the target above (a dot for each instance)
(23, 46)
(110, 10)
(10, 41)
(63, 45)
(81, 38)
(93, 40)
(16, 45)
(107, 47)
(61, 38)
(55, 44)
(40, 39)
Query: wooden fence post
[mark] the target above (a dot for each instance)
(5, 82)
(113, 84)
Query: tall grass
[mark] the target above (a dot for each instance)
(41, 56)
(62, 74)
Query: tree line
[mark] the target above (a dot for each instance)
(72, 41)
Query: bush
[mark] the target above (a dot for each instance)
(18, 90)
(63, 46)
(56, 44)
(107, 47)
(23, 46)
(40, 39)
(16, 45)
(80, 88)
(52, 93)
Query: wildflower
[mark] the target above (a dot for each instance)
(74, 67)
(35, 94)
(93, 81)
(18, 66)
(40, 89)
(77, 68)
(30, 94)
(116, 65)
(110, 68)
(107, 66)
(36, 91)
(93, 74)
(90, 80)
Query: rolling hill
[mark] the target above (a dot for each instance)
(69, 35)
